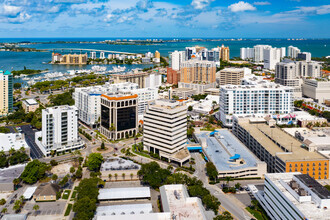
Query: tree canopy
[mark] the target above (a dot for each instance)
(94, 161)
(34, 171)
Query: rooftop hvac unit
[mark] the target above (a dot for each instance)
(176, 194)
(302, 192)
(294, 184)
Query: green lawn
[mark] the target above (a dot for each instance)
(68, 210)
(66, 194)
(257, 214)
(74, 193)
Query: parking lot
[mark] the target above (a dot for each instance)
(46, 208)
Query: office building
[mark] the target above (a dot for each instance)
(143, 79)
(74, 59)
(293, 196)
(224, 53)
(293, 52)
(173, 76)
(229, 155)
(254, 99)
(119, 116)
(176, 59)
(30, 105)
(59, 130)
(181, 93)
(195, 71)
(165, 130)
(271, 57)
(209, 55)
(232, 76)
(247, 53)
(259, 52)
(319, 90)
(190, 52)
(119, 166)
(93, 55)
(6, 92)
(175, 200)
(281, 151)
(305, 56)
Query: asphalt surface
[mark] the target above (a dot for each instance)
(35, 152)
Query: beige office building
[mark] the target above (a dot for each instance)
(194, 71)
(317, 90)
(30, 105)
(231, 76)
(224, 53)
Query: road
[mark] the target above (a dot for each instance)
(35, 152)
(226, 203)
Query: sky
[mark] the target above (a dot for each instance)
(165, 19)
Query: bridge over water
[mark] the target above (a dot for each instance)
(91, 50)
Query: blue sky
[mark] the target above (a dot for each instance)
(180, 18)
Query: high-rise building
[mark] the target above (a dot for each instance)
(259, 52)
(210, 55)
(119, 116)
(230, 76)
(224, 53)
(293, 196)
(306, 56)
(176, 58)
(157, 54)
(59, 130)
(254, 99)
(6, 92)
(271, 57)
(193, 71)
(93, 55)
(165, 130)
(247, 53)
(190, 52)
(102, 56)
(293, 52)
(173, 76)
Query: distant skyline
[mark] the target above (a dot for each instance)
(161, 19)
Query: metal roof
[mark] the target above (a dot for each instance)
(124, 193)
(127, 209)
(29, 192)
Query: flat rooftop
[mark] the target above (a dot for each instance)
(7, 175)
(12, 140)
(175, 199)
(262, 132)
(31, 102)
(309, 209)
(225, 145)
(115, 163)
(124, 193)
(127, 209)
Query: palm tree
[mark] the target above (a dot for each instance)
(123, 175)
(16, 181)
(110, 175)
(36, 208)
(4, 210)
(228, 179)
(132, 175)
(116, 176)
(237, 185)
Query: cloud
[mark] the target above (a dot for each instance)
(261, 3)
(319, 10)
(241, 6)
(201, 4)
(10, 10)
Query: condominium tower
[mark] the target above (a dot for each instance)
(198, 71)
(254, 99)
(59, 130)
(165, 130)
(6, 92)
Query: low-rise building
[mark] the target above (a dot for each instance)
(212, 91)
(175, 200)
(14, 141)
(46, 192)
(199, 87)
(281, 151)
(30, 105)
(229, 155)
(7, 175)
(293, 196)
(118, 169)
(74, 59)
(131, 193)
(182, 93)
(143, 79)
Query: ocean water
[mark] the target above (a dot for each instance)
(39, 60)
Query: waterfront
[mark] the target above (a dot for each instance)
(39, 60)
